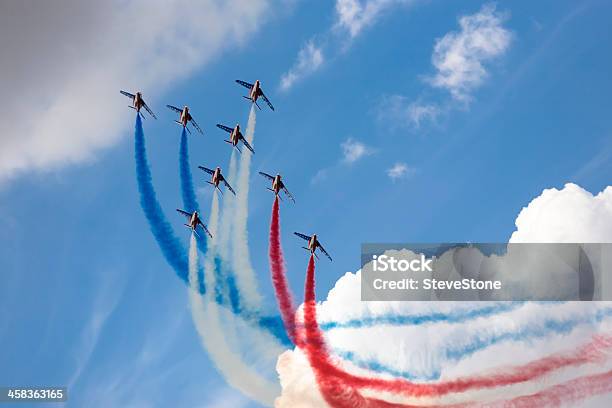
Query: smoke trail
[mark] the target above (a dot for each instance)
(334, 391)
(170, 246)
(187, 191)
(245, 276)
(207, 317)
(227, 213)
(455, 352)
(172, 249)
(326, 370)
(563, 394)
(455, 316)
(279, 280)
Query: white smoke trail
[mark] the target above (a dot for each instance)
(241, 262)
(207, 316)
(226, 222)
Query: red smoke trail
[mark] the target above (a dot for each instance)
(279, 278)
(562, 394)
(331, 381)
(339, 387)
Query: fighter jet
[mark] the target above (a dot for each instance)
(185, 117)
(277, 185)
(255, 92)
(313, 244)
(194, 221)
(235, 137)
(216, 178)
(138, 102)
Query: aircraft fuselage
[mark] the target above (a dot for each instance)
(236, 135)
(254, 94)
(313, 243)
(216, 177)
(138, 102)
(194, 221)
(277, 184)
(185, 116)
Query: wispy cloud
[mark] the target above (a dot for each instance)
(460, 56)
(399, 171)
(353, 150)
(355, 15)
(401, 111)
(309, 59)
(350, 19)
(96, 65)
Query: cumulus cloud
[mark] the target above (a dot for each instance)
(62, 78)
(460, 56)
(309, 59)
(431, 350)
(355, 15)
(399, 170)
(353, 150)
(571, 214)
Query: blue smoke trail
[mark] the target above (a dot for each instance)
(171, 247)
(457, 353)
(187, 191)
(456, 316)
(226, 291)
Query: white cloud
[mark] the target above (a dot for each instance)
(309, 59)
(571, 214)
(400, 111)
(417, 113)
(351, 17)
(320, 176)
(63, 76)
(460, 56)
(355, 15)
(416, 348)
(353, 150)
(399, 170)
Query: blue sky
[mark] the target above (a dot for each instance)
(87, 299)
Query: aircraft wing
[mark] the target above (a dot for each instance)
(226, 128)
(207, 170)
(303, 236)
(195, 125)
(148, 110)
(265, 98)
(174, 108)
(228, 186)
(245, 84)
(266, 175)
(129, 95)
(324, 251)
(185, 213)
(288, 193)
(206, 229)
(248, 146)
